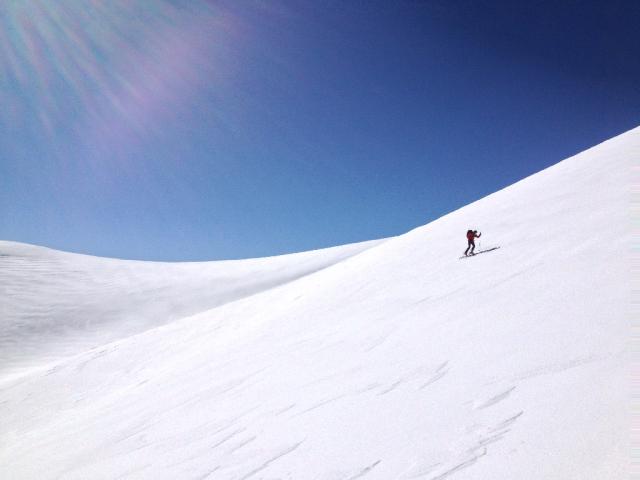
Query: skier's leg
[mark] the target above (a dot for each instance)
(473, 247)
(467, 250)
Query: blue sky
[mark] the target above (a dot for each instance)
(201, 130)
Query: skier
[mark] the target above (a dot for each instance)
(471, 235)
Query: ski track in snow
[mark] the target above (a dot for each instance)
(384, 360)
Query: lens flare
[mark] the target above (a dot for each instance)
(105, 72)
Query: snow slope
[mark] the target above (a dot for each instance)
(396, 360)
(56, 304)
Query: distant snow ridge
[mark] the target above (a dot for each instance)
(385, 360)
(56, 304)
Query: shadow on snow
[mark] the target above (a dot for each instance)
(479, 252)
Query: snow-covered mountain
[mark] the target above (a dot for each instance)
(392, 359)
(57, 304)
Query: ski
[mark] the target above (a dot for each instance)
(479, 252)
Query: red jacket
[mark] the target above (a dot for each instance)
(471, 235)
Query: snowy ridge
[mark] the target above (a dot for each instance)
(400, 362)
(56, 304)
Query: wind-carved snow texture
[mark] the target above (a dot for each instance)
(57, 304)
(385, 360)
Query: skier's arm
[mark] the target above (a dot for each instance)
(478, 235)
